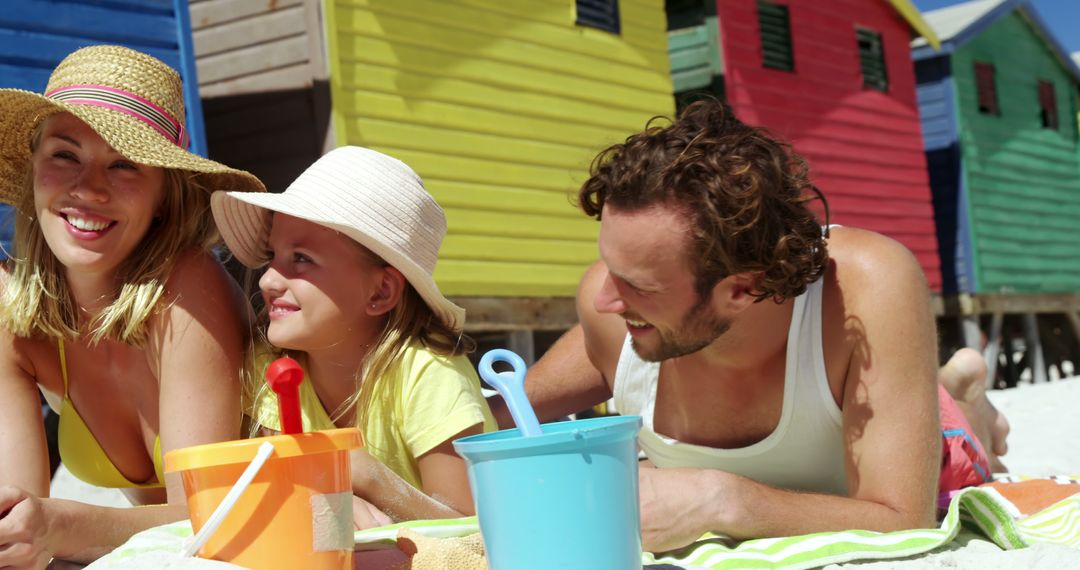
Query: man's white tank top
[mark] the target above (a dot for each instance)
(805, 452)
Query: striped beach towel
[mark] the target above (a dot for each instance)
(977, 510)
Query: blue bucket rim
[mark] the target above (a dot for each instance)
(555, 433)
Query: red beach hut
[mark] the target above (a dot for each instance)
(836, 79)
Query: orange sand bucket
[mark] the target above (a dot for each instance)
(296, 512)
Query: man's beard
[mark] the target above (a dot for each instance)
(698, 329)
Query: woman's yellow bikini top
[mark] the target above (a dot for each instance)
(82, 454)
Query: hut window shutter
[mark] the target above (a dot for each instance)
(1048, 105)
(985, 89)
(775, 27)
(687, 13)
(872, 60)
(600, 14)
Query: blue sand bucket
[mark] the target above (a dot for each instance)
(565, 499)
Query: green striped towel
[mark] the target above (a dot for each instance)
(981, 511)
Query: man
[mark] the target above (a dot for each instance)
(787, 382)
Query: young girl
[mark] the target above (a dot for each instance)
(351, 246)
(113, 305)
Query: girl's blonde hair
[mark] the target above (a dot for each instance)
(411, 320)
(36, 299)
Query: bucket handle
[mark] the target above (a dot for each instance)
(192, 546)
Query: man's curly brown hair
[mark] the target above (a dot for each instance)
(745, 192)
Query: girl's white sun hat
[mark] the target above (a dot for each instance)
(372, 198)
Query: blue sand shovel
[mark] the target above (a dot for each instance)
(511, 386)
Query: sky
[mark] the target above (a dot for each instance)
(1063, 17)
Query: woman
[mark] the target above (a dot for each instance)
(112, 305)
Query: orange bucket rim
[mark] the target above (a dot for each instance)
(243, 450)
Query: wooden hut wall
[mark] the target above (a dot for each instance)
(500, 107)
(36, 34)
(1023, 180)
(938, 112)
(262, 76)
(864, 146)
(694, 45)
(1076, 59)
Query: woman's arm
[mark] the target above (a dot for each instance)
(25, 454)
(197, 350)
(34, 530)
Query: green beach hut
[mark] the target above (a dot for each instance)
(998, 106)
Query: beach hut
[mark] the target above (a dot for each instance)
(263, 79)
(499, 106)
(998, 103)
(833, 77)
(1076, 60)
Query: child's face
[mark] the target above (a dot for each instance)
(317, 287)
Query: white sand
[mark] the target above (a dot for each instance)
(67, 486)
(1045, 420)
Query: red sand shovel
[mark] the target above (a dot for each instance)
(284, 376)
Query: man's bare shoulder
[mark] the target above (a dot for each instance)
(865, 265)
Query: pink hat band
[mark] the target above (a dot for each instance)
(124, 102)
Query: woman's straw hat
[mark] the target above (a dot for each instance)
(134, 101)
(372, 198)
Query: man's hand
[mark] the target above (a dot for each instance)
(24, 530)
(676, 507)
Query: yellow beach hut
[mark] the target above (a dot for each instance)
(499, 106)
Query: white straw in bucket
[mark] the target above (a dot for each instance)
(222, 510)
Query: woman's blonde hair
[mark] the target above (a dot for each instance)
(36, 299)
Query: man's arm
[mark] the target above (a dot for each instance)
(891, 433)
(565, 380)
